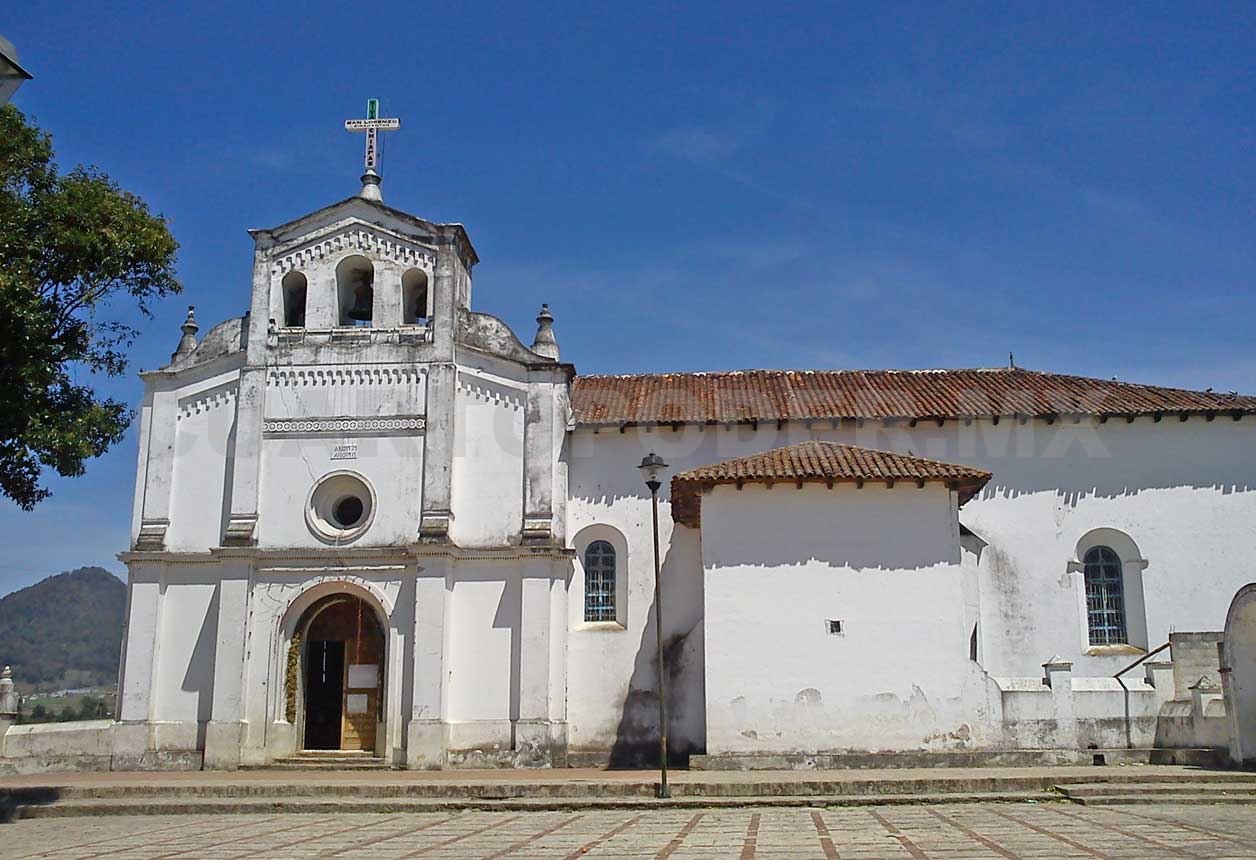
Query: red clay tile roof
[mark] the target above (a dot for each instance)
(783, 395)
(819, 462)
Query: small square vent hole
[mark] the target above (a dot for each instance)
(835, 627)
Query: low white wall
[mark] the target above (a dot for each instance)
(86, 738)
(89, 745)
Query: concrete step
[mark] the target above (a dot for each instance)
(1139, 799)
(552, 785)
(343, 805)
(325, 760)
(321, 765)
(1159, 789)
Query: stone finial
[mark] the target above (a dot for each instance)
(545, 344)
(371, 186)
(187, 343)
(8, 696)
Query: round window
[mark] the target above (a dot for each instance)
(348, 512)
(340, 507)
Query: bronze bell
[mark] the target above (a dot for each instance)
(362, 302)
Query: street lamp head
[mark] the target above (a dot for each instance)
(652, 467)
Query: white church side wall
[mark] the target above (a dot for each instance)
(611, 677)
(1182, 492)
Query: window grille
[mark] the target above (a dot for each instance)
(599, 582)
(1105, 597)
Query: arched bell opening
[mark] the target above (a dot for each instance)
(414, 297)
(294, 289)
(355, 290)
(342, 676)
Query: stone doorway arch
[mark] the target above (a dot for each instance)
(340, 680)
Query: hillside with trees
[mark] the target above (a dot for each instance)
(65, 631)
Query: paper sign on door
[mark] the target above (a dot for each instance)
(363, 675)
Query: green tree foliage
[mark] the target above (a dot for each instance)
(65, 631)
(69, 243)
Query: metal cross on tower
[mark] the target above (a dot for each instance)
(372, 125)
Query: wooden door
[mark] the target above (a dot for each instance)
(362, 690)
(355, 711)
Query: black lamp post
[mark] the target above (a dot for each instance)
(652, 467)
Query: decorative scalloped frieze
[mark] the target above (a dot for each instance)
(378, 246)
(317, 377)
(341, 426)
(206, 401)
(488, 392)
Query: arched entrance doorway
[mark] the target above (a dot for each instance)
(342, 675)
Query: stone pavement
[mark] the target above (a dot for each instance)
(1042, 830)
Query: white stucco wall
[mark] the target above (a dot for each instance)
(188, 634)
(779, 563)
(486, 607)
(488, 460)
(611, 676)
(391, 466)
(203, 445)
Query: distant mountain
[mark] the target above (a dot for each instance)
(65, 631)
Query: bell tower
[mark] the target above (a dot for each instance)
(349, 357)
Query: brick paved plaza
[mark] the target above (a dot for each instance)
(1046, 830)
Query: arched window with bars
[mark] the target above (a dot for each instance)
(1105, 597)
(599, 581)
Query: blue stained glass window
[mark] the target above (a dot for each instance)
(1105, 597)
(599, 582)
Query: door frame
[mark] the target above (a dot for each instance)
(306, 612)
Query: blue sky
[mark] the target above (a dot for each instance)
(696, 186)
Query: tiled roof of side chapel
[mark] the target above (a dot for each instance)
(820, 462)
(914, 395)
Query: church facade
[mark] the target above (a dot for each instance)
(369, 518)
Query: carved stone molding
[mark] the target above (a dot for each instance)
(538, 528)
(342, 426)
(152, 536)
(405, 335)
(434, 526)
(240, 529)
